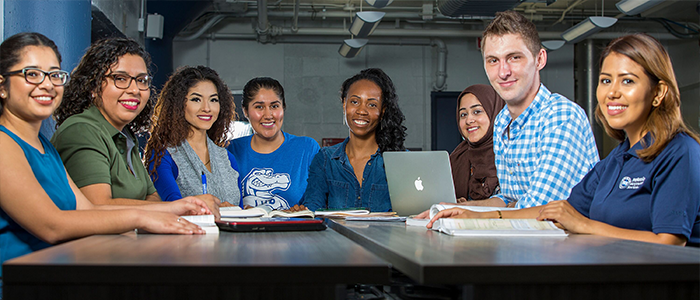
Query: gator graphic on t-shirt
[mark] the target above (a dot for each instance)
(259, 185)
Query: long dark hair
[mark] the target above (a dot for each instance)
(11, 52)
(391, 133)
(87, 77)
(664, 121)
(169, 125)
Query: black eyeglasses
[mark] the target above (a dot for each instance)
(123, 81)
(37, 76)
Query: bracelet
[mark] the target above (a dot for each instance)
(500, 215)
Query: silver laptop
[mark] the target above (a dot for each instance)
(418, 180)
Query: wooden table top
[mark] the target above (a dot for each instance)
(431, 257)
(275, 257)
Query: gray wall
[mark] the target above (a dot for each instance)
(685, 56)
(312, 75)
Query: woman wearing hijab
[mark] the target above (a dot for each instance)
(473, 168)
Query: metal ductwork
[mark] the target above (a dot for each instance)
(456, 8)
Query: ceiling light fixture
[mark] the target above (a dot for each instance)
(352, 47)
(586, 28)
(379, 3)
(635, 7)
(365, 22)
(553, 44)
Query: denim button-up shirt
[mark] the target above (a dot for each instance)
(332, 182)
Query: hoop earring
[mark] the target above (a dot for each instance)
(655, 102)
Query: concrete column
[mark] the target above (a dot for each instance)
(66, 22)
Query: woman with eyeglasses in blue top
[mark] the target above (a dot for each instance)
(40, 204)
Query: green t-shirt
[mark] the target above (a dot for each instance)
(93, 151)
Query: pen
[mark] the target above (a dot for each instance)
(204, 183)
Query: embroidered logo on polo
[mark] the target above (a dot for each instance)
(628, 183)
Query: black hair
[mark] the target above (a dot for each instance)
(11, 51)
(254, 85)
(391, 133)
(87, 78)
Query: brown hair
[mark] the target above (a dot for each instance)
(511, 22)
(664, 121)
(170, 127)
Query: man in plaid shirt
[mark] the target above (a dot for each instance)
(542, 141)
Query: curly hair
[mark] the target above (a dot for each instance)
(11, 52)
(88, 76)
(170, 128)
(391, 133)
(664, 121)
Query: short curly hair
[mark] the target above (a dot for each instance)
(391, 133)
(170, 128)
(88, 76)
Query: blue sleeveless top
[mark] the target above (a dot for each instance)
(48, 169)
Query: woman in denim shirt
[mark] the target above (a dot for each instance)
(351, 174)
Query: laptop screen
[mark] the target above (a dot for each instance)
(418, 180)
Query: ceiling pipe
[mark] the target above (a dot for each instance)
(295, 21)
(389, 15)
(441, 74)
(567, 10)
(417, 33)
(213, 21)
(263, 26)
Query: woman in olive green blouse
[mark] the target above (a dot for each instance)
(107, 101)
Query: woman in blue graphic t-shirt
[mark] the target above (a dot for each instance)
(273, 164)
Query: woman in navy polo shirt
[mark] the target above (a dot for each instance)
(648, 188)
(351, 174)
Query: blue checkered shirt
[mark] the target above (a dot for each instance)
(549, 150)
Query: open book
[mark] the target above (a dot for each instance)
(350, 213)
(436, 208)
(261, 211)
(206, 222)
(487, 227)
(497, 227)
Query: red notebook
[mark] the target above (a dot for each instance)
(271, 224)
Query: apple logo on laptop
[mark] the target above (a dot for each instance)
(419, 184)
